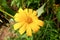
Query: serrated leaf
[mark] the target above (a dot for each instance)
(41, 10)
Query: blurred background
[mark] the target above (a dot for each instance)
(51, 17)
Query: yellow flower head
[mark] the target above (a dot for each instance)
(27, 21)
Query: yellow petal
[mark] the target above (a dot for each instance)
(35, 13)
(28, 31)
(41, 23)
(26, 11)
(22, 29)
(30, 11)
(17, 17)
(35, 27)
(20, 10)
(17, 26)
(38, 22)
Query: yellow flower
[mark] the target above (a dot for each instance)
(27, 21)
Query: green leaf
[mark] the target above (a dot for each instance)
(12, 3)
(6, 7)
(54, 30)
(30, 38)
(41, 10)
(58, 14)
(23, 36)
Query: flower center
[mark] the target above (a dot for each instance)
(29, 20)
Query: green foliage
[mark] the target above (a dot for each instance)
(33, 4)
(58, 14)
(4, 5)
(18, 3)
(26, 3)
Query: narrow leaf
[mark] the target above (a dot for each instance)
(58, 14)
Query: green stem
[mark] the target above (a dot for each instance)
(6, 13)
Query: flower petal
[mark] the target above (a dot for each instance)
(26, 11)
(28, 31)
(17, 26)
(20, 10)
(16, 17)
(38, 22)
(35, 13)
(19, 17)
(30, 11)
(35, 27)
(22, 29)
(41, 23)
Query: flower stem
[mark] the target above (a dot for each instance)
(6, 13)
